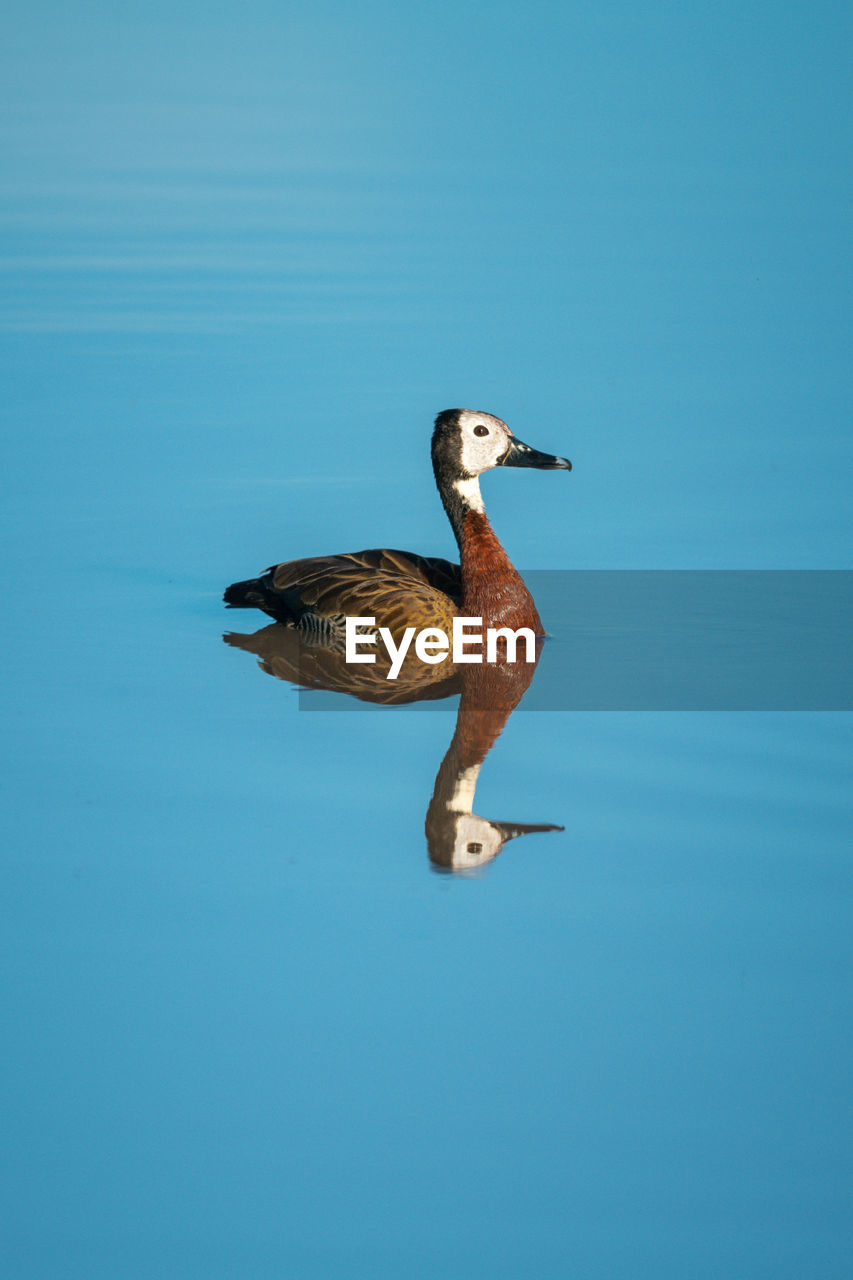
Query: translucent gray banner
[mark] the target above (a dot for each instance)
(671, 640)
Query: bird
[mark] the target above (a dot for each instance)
(400, 589)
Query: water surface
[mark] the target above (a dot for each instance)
(247, 257)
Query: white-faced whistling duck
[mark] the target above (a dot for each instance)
(401, 589)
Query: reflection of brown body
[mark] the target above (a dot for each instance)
(284, 652)
(457, 839)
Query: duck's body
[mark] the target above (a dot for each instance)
(400, 589)
(317, 594)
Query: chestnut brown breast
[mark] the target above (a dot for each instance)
(492, 588)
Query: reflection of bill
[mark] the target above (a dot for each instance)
(458, 840)
(433, 645)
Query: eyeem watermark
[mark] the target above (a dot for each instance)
(434, 645)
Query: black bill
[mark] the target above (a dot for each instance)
(520, 454)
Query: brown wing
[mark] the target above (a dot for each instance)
(395, 587)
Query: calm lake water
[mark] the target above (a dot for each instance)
(250, 1027)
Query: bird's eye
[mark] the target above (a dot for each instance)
(481, 431)
(475, 848)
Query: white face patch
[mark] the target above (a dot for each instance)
(484, 441)
(469, 492)
(476, 842)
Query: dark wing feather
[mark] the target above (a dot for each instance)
(398, 588)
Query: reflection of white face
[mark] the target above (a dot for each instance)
(476, 842)
(484, 440)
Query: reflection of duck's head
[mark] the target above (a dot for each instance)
(461, 842)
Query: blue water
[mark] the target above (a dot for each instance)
(248, 253)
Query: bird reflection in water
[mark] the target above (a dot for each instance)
(458, 840)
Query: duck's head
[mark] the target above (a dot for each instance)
(465, 443)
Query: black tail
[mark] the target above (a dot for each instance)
(245, 595)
